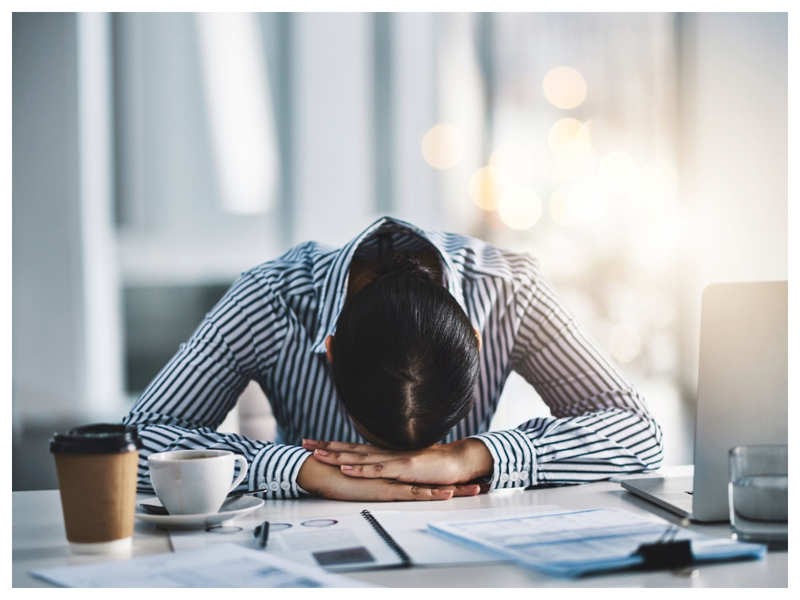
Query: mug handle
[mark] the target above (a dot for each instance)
(242, 471)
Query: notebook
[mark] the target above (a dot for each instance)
(571, 543)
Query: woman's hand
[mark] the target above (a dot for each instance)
(328, 481)
(441, 464)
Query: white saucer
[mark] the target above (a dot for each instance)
(229, 510)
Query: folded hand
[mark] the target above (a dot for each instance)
(329, 481)
(455, 463)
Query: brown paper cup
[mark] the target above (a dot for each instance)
(98, 492)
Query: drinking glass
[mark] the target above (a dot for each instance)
(758, 493)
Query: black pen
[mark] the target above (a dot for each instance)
(262, 533)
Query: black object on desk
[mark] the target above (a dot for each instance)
(261, 533)
(666, 555)
(666, 552)
(405, 559)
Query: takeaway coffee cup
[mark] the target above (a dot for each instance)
(96, 467)
(193, 482)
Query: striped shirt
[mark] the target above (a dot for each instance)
(270, 327)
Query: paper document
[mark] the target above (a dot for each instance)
(575, 542)
(337, 543)
(220, 565)
(410, 529)
(349, 542)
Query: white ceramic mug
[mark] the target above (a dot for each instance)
(190, 482)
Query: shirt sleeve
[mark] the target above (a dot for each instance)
(600, 425)
(189, 398)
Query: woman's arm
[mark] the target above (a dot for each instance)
(600, 425)
(190, 397)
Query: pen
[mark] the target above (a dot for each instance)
(262, 534)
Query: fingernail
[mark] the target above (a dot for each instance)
(347, 468)
(321, 452)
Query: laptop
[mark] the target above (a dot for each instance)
(742, 394)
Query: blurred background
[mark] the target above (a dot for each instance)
(156, 156)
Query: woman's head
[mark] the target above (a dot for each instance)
(404, 357)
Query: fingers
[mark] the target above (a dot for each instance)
(468, 489)
(420, 475)
(338, 446)
(390, 470)
(417, 492)
(421, 492)
(385, 472)
(332, 457)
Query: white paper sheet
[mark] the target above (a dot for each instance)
(340, 543)
(220, 565)
(409, 528)
(574, 542)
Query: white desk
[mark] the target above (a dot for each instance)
(39, 541)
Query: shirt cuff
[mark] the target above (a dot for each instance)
(514, 458)
(275, 468)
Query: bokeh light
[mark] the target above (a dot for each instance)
(519, 207)
(484, 187)
(443, 146)
(570, 143)
(564, 87)
(521, 160)
(493, 188)
(567, 132)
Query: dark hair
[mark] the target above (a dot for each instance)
(405, 357)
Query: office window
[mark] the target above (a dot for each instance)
(577, 165)
(198, 169)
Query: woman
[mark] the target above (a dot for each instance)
(384, 361)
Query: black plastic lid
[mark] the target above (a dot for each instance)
(98, 438)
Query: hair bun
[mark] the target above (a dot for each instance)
(402, 264)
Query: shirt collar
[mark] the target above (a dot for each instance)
(334, 287)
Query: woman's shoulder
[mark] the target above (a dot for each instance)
(298, 272)
(476, 257)
(303, 257)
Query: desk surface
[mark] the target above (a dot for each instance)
(38, 540)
